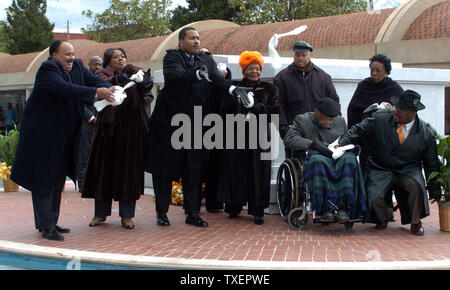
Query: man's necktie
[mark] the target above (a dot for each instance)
(192, 60)
(401, 134)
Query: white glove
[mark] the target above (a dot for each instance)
(339, 151)
(119, 96)
(138, 77)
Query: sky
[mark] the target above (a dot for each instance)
(61, 11)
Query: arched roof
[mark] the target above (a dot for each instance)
(16, 63)
(432, 23)
(339, 30)
(414, 19)
(137, 50)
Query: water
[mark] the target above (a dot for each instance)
(6, 267)
(10, 261)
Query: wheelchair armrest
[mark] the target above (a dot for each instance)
(294, 153)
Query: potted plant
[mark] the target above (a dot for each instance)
(443, 178)
(8, 145)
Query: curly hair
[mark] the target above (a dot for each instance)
(381, 58)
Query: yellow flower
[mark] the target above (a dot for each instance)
(5, 171)
(177, 193)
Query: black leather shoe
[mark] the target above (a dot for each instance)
(162, 221)
(233, 215)
(213, 210)
(52, 235)
(62, 230)
(387, 219)
(259, 220)
(417, 229)
(195, 220)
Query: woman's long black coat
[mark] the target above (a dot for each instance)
(116, 161)
(244, 177)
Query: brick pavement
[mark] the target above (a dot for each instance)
(225, 239)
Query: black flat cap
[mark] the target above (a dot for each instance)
(329, 107)
(408, 100)
(301, 46)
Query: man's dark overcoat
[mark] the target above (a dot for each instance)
(182, 91)
(300, 90)
(49, 123)
(389, 157)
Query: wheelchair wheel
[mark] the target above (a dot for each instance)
(301, 189)
(297, 219)
(287, 187)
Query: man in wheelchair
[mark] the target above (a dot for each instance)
(332, 183)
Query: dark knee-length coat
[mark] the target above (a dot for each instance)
(115, 168)
(182, 91)
(49, 120)
(244, 177)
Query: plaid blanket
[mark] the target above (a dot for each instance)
(339, 181)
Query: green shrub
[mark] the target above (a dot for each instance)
(8, 145)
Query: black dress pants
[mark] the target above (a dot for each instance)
(46, 205)
(162, 187)
(126, 208)
(412, 195)
(212, 182)
(163, 191)
(191, 179)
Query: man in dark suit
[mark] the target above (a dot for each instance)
(401, 144)
(45, 152)
(189, 78)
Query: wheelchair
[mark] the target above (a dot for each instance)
(293, 197)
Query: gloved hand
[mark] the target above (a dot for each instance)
(203, 73)
(434, 190)
(356, 150)
(120, 79)
(147, 82)
(283, 130)
(244, 97)
(258, 108)
(138, 77)
(321, 147)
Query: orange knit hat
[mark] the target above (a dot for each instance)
(248, 57)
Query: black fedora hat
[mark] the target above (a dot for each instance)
(408, 100)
